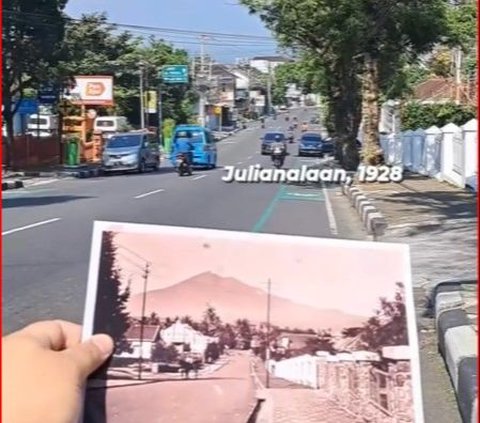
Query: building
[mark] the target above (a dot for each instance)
(265, 64)
(185, 338)
(141, 344)
(289, 341)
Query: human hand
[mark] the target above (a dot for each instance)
(44, 369)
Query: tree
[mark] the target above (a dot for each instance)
(357, 43)
(164, 354)
(388, 327)
(111, 315)
(31, 35)
(323, 342)
(211, 323)
(153, 319)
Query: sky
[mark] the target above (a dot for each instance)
(220, 16)
(348, 276)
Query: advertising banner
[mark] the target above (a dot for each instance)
(92, 90)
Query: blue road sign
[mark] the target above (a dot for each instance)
(175, 74)
(48, 94)
(28, 107)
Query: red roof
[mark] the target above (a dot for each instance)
(440, 90)
(150, 333)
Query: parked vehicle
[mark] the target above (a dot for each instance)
(42, 125)
(269, 138)
(313, 144)
(111, 125)
(205, 148)
(183, 165)
(131, 151)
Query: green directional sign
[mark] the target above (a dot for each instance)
(302, 196)
(175, 74)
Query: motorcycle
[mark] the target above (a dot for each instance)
(183, 165)
(278, 157)
(290, 137)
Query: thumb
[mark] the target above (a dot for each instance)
(91, 354)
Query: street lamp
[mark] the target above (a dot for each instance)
(141, 67)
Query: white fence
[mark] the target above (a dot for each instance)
(448, 153)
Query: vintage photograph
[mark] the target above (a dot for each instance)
(220, 326)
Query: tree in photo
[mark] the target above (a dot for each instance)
(162, 353)
(388, 327)
(111, 315)
(211, 323)
(32, 33)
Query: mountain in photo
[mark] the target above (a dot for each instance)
(233, 299)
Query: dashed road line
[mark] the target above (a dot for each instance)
(330, 215)
(31, 226)
(148, 193)
(199, 177)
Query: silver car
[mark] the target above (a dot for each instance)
(131, 151)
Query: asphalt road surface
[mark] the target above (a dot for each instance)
(47, 228)
(47, 232)
(226, 395)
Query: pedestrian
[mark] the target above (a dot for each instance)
(44, 369)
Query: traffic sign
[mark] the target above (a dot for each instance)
(175, 74)
(28, 107)
(48, 94)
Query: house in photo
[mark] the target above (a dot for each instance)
(186, 339)
(141, 344)
(289, 341)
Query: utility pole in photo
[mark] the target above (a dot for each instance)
(267, 352)
(202, 82)
(146, 273)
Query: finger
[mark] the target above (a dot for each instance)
(54, 334)
(91, 354)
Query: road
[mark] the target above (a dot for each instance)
(45, 267)
(227, 395)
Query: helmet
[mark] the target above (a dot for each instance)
(278, 138)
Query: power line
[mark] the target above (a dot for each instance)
(151, 28)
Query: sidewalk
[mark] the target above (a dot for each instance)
(439, 222)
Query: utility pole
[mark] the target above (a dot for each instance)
(147, 97)
(457, 54)
(142, 108)
(202, 75)
(146, 273)
(267, 352)
(269, 90)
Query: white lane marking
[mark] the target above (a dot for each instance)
(218, 389)
(228, 142)
(148, 193)
(48, 181)
(249, 157)
(330, 215)
(198, 177)
(239, 163)
(33, 225)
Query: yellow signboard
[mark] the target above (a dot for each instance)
(151, 101)
(218, 110)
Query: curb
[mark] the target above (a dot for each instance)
(374, 222)
(89, 173)
(8, 185)
(457, 342)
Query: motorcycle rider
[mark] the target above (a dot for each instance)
(183, 145)
(262, 121)
(278, 149)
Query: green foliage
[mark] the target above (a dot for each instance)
(97, 47)
(462, 24)
(417, 115)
